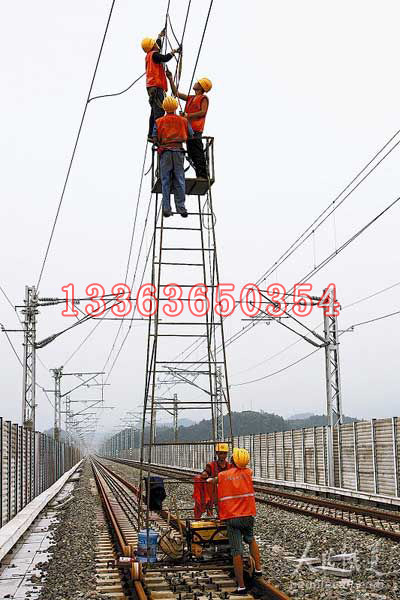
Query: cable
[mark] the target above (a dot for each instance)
(373, 320)
(20, 362)
(296, 362)
(316, 350)
(200, 46)
(269, 358)
(323, 263)
(134, 310)
(371, 295)
(335, 206)
(10, 303)
(118, 93)
(75, 147)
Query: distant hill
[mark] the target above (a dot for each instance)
(243, 423)
(305, 415)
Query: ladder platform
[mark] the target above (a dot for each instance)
(194, 186)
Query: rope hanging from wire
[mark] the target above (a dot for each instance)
(75, 146)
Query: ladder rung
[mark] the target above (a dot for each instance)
(196, 335)
(190, 362)
(179, 264)
(177, 323)
(182, 371)
(181, 228)
(199, 213)
(192, 249)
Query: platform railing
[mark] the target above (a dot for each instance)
(208, 146)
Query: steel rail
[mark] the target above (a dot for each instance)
(268, 589)
(302, 503)
(124, 547)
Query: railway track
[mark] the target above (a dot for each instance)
(123, 578)
(379, 522)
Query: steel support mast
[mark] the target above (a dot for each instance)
(29, 311)
(333, 383)
(219, 407)
(57, 374)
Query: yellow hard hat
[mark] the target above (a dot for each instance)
(148, 44)
(221, 447)
(240, 457)
(170, 104)
(205, 84)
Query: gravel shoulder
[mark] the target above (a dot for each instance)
(70, 572)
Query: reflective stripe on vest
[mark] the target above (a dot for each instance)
(230, 497)
(236, 494)
(193, 105)
(172, 129)
(155, 74)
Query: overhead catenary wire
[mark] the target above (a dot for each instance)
(296, 362)
(20, 362)
(334, 205)
(10, 303)
(75, 147)
(321, 265)
(201, 45)
(289, 346)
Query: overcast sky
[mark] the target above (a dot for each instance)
(304, 95)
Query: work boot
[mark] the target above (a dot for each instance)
(183, 212)
(166, 213)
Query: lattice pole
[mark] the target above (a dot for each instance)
(57, 374)
(30, 311)
(333, 384)
(219, 407)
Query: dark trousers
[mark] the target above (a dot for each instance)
(196, 154)
(156, 97)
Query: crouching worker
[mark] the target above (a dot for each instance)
(170, 132)
(237, 508)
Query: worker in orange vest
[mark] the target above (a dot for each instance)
(195, 110)
(170, 132)
(211, 470)
(156, 82)
(237, 508)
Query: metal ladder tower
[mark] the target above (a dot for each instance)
(29, 311)
(186, 350)
(333, 384)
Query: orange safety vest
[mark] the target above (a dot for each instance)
(193, 105)
(155, 74)
(236, 494)
(201, 496)
(172, 130)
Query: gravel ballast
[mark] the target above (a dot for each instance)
(369, 570)
(71, 572)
